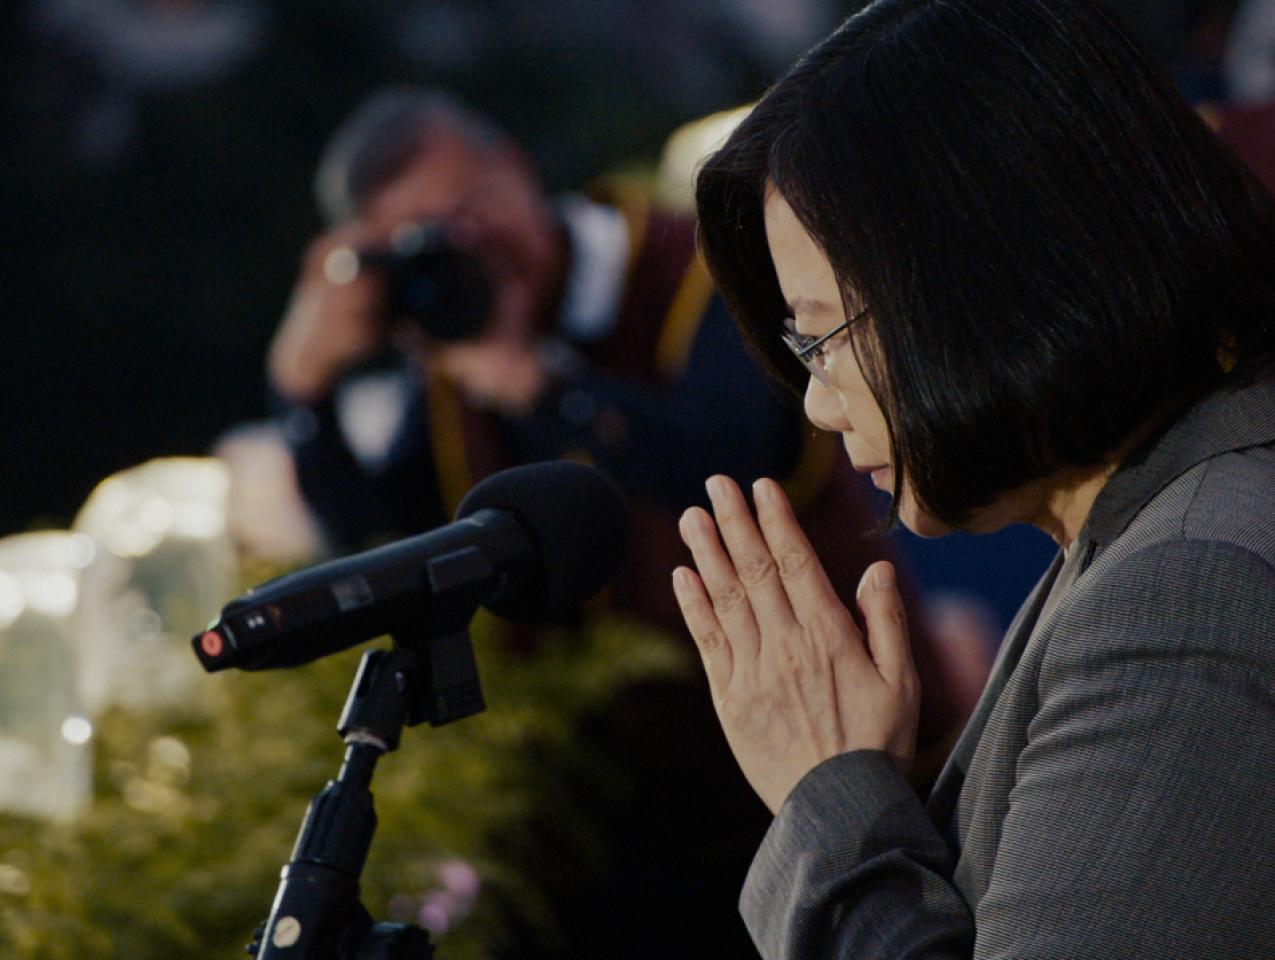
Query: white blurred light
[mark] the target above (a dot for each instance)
(341, 266)
(130, 540)
(73, 550)
(156, 515)
(55, 595)
(111, 497)
(77, 730)
(81, 550)
(12, 600)
(135, 511)
(44, 769)
(164, 564)
(200, 521)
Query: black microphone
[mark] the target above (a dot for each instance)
(530, 544)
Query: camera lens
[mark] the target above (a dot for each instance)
(433, 284)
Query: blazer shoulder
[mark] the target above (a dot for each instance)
(1193, 572)
(1234, 500)
(1195, 601)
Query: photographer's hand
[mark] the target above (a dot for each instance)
(333, 319)
(793, 679)
(497, 372)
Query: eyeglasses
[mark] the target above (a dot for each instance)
(813, 351)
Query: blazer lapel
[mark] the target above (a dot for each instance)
(947, 787)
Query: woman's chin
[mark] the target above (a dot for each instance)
(920, 522)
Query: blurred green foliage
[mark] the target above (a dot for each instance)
(195, 809)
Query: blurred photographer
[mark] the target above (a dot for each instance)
(409, 164)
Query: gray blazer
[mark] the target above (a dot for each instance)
(1114, 794)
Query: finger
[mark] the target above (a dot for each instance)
(754, 566)
(883, 613)
(711, 641)
(809, 591)
(717, 573)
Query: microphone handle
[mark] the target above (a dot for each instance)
(303, 616)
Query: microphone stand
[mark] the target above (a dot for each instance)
(428, 675)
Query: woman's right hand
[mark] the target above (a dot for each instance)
(794, 680)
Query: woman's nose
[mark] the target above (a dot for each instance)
(823, 407)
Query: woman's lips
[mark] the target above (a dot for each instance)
(882, 475)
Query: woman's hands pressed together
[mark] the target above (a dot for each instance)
(793, 678)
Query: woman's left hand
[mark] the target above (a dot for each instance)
(793, 678)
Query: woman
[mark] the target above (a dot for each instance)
(1025, 284)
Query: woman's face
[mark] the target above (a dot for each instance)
(847, 406)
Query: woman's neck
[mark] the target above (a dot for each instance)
(1065, 500)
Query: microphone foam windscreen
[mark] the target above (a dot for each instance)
(579, 521)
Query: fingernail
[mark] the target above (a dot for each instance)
(883, 576)
(695, 522)
(684, 525)
(761, 490)
(715, 486)
(680, 579)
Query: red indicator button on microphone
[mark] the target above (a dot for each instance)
(212, 643)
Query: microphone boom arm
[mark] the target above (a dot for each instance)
(429, 675)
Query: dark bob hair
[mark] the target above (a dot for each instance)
(1053, 248)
